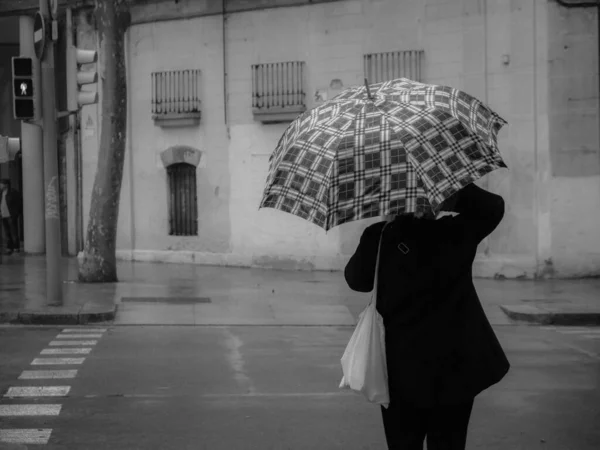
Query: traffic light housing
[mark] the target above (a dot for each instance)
(25, 95)
(76, 98)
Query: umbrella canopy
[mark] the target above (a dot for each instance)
(390, 148)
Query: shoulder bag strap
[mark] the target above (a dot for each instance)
(376, 278)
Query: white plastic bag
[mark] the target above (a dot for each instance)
(363, 363)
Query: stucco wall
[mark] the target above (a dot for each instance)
(193, 44)
(466, 45)
(574, 145)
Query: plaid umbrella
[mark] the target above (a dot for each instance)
(389, 148)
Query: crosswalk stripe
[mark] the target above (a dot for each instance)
(25, 436)
(56, 361)
(67, 342)
(38, 391)
(84, 330)
(47, 374)
(66, 351)
(79, 336)
(29, 410)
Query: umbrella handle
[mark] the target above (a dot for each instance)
(368, 89)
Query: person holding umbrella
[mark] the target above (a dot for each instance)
(440, 348)
(407, 151)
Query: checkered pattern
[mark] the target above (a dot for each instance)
(405, 150)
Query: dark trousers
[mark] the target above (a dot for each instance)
(445, 426)
(10, 230)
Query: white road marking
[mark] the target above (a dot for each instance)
(79, 336)
(56, 361)
(38, 391)
(66, 351)
(340, 393)
(586, 332)
(84, 330)
(29, 410)
(26, 436)
(65, 342)
(578, 331)
(47, 374)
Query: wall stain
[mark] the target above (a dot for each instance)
(548, 271)
(236, 361)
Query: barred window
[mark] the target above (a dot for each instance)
(183, 200)
(387, 66)
(176, 92)
(278, 88)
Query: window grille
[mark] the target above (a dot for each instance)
(176, 92)
(278, 87)
(183, 200)
(387, 66)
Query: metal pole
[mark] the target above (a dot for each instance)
(53, 241)
(32, 157)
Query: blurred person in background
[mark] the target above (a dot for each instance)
(10, 211)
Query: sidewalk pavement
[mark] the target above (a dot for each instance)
(156, 293)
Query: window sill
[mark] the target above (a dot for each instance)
(278, 114)
(177, 120)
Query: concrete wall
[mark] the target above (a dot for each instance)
(573, 135)
(494, 49)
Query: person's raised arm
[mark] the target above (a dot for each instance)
(480, 211)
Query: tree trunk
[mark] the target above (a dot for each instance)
(98, 263)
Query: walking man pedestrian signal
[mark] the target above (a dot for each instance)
(25, 104)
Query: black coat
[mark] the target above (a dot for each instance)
(13, 201)
(440, 346)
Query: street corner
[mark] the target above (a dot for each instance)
(556, 315)
(64, 315)
(97, 314)
(9, 317)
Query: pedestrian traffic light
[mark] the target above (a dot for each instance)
(25, 104)
(76, 77)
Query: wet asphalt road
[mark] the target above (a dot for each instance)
(217, 388)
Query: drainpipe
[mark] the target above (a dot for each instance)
(225, 78)
(129, 151)
(485, 50)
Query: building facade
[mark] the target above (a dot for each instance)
(213, 85)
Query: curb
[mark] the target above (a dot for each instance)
(530, 314)
(50, 318)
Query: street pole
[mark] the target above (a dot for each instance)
(52, 215)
